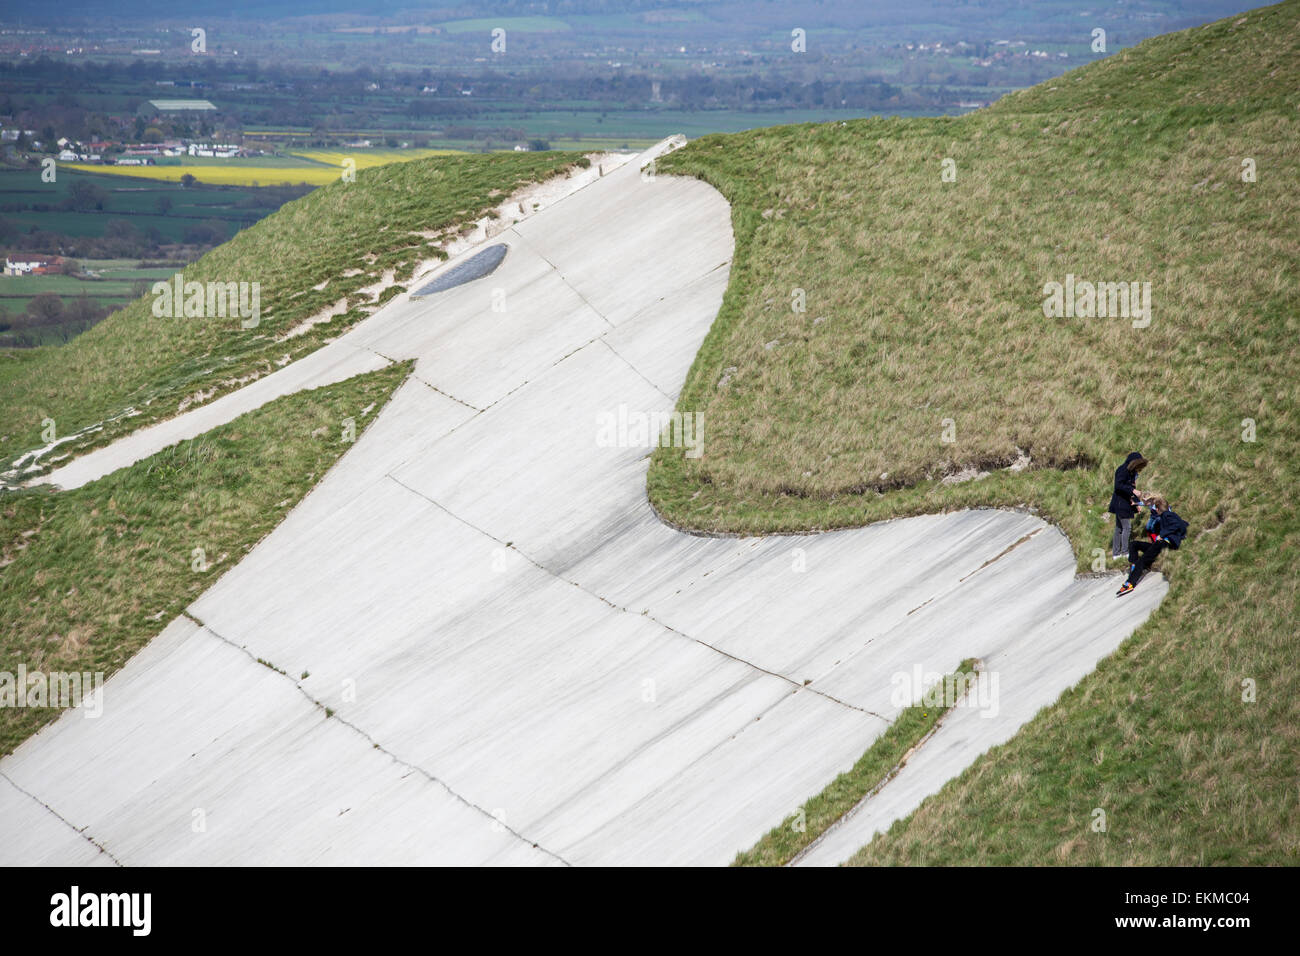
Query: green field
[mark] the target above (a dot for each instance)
(115, 285)
(27, 203)
(486, 25)
(122, 269)
(650, 126)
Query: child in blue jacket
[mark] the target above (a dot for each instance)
(1164, 529)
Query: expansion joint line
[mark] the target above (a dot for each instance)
(559, 361)
(388, 753)
(64, 820)
(633, 317)
(645, 379)
(430, 385)
(604, 600)
(584, 299)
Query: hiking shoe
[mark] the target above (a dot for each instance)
(1127, 586)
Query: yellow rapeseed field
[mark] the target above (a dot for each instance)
(319, 167)
(231, 175)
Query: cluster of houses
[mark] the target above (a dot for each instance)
(136, 154)
(131, 154)
(30, 264)
(1015, 48)
(1006, 50)
(176, 147)
(71, 151)
(142, 154)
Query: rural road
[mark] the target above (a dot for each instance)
(522, 664)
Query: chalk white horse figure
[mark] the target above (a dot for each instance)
(510, 658)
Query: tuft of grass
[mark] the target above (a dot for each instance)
(924, 305)
(89, 576)
(882, 761)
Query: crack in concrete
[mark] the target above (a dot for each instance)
(1001, 554)
(64, 820)
(556, 270)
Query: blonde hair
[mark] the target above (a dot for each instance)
(1157, 501)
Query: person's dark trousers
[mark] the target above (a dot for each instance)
(1142, 554)
(1119, 540)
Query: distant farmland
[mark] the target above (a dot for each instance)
(126, 231)
(107, 281)
(312, 167)
(29, 205)
(367, 159)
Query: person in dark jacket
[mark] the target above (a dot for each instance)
(1164, 529)
(1125, 501)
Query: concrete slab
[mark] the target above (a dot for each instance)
(522, 663)
(323, 367)
(35, 836)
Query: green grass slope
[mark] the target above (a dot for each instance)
(1243, 62)
(923, 349)
(341, 237)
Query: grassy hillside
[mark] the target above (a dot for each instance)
(1245, 61)
(342, 237)
(924, 350)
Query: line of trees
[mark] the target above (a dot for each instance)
(49, 319)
